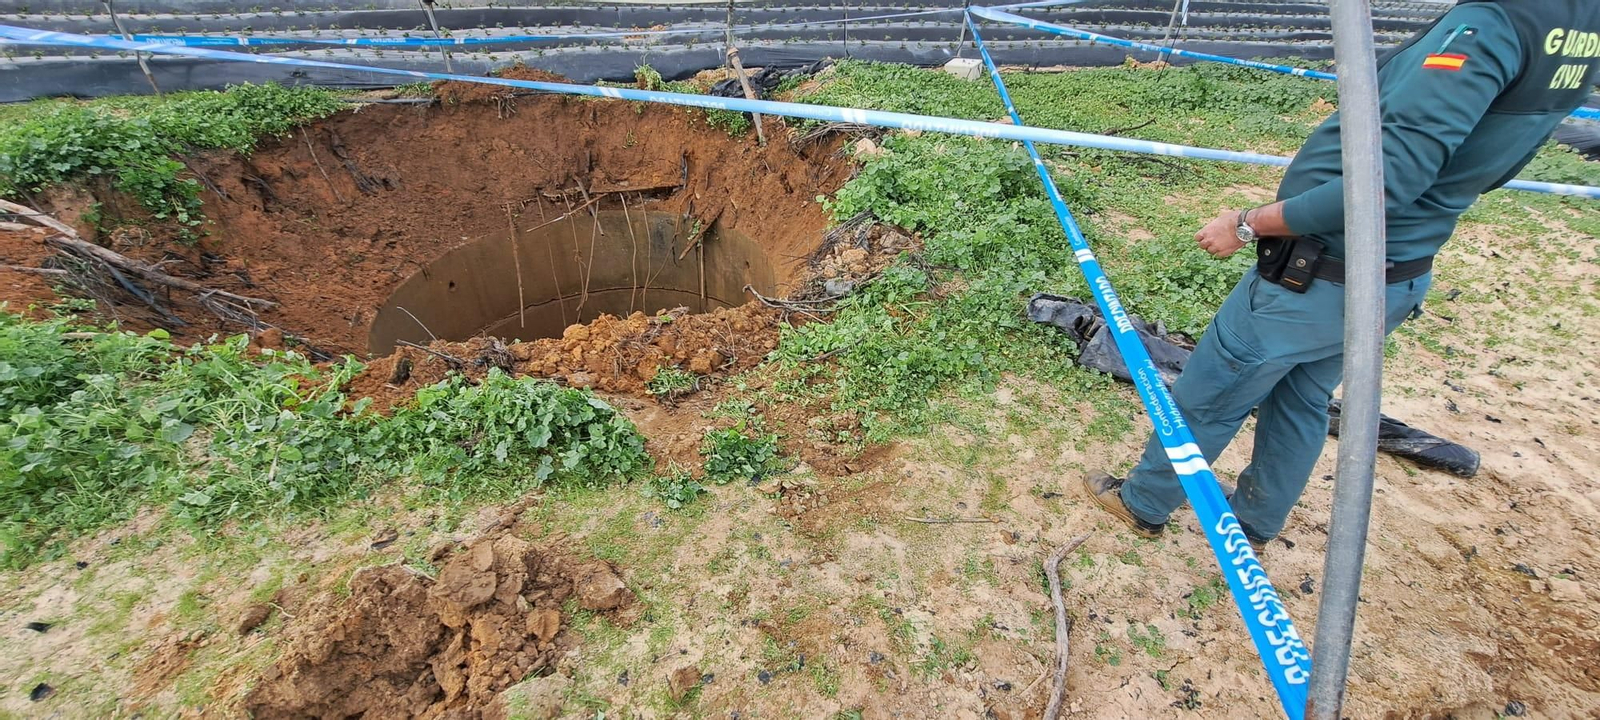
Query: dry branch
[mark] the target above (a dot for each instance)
(454, 361)
(1130, 128)
(68, 241)
(118, 260)
(950, 521)
(516, 257)
(38, 217)
(1052, 572)
(699, 236)
(804, 306)
(33, 270)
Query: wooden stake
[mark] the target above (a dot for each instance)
(749, 94)
(516, 258)
(634, 238)
(550, 247)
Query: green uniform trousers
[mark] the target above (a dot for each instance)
(1272, 349)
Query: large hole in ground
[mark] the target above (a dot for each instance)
(455, 213)
(550, 273)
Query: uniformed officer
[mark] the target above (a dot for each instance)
(1465, 104)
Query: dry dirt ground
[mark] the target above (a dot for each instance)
(816, 597)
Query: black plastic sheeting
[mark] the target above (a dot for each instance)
(1226, 27)
(491, 21)
(112, 75)
(1380, 8)
(1096, 350)
(1400, 439)
(1583, 137)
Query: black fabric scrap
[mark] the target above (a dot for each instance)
(1097, 350)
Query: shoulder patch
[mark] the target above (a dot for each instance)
(1444, 61)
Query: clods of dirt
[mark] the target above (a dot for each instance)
(253, 617)
(624, 354)
(611, 354)
(406, 645)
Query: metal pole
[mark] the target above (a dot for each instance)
(1362, 143)
(727, 43)
(846, 5)
(961, 43)
(427, 7)
(144, 66)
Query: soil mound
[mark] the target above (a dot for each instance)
(613, 354)
(454, 92)
(405, 645)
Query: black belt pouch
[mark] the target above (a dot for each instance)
(1290, 262)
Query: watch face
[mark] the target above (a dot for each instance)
(1243, 233)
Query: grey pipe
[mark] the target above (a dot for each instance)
(1361, 136)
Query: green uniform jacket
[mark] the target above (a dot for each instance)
(1465, 105)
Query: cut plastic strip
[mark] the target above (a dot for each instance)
(879, 118)
(995, 14)
(1283, 653)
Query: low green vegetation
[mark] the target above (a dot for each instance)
(672, 382)
(138, 143)
(739, 453)
(953, 315)
(1149, 639)
(676, 489)
(96, 424)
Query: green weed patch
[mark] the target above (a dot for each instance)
(94, 425)
(137, 142)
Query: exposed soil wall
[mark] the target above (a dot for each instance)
(330, 221)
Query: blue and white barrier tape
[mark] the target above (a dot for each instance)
(879, 118)
(1283, 654)
(997, 15)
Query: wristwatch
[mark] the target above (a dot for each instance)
(1244, 232)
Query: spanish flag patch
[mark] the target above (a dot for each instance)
(1444, 61)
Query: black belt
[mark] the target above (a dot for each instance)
(1293, 262)
(1332, 270)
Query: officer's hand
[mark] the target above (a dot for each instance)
(1218, 237)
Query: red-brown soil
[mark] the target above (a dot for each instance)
(328, 221)
(405, 645)
(19, 289)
